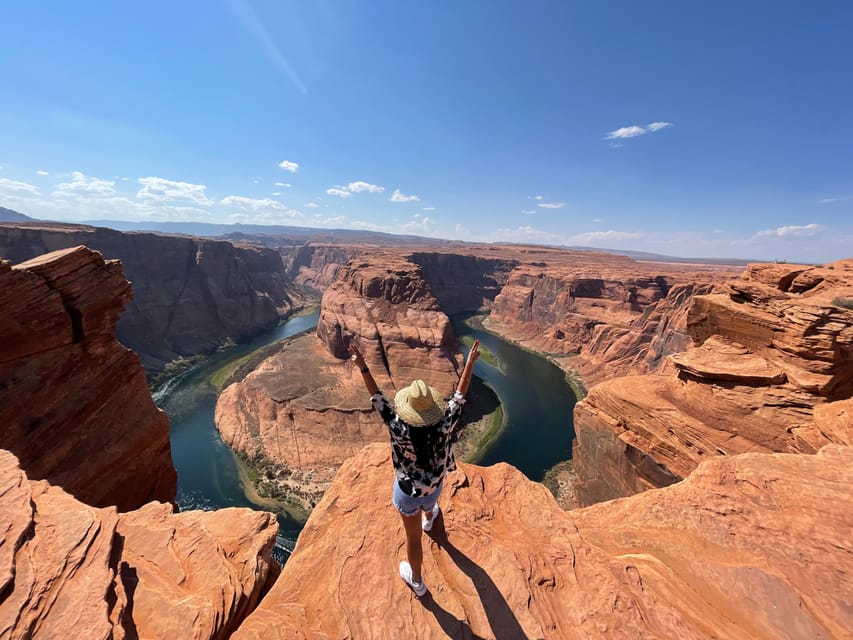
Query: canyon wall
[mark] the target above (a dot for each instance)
(771, 370)
(190, 294)
(316, 265)
(306, 409)
(749, 546)
(601, 315)
(68, 569)
(465, 281)
(75, 403)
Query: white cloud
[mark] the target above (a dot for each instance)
(358, 187)
(551, 205)
(626, 132)
(346, 191)
(535, 197)
(13, 185)
(461, 230)
(276, 193)
(282, 184)
(399, 197)
(793, 230)
(287, 165)
(526, 233)
(598, 220)
(528, 212)
(593, 237)
(831, 200)
(424, 225)
(42, 173)
(615, 145)
(261, 205)
(429, 208)
(312, 205)
(81, 184)
(634, 130)
(163, 190)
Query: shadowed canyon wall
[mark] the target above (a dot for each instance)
(190, 294)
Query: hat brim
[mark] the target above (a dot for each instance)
(411, 416)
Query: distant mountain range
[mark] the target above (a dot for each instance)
(277, 235)
(7, 215)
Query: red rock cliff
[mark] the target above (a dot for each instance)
(617, 314)
(190, 294)
(750, 546)
(771, 371)
(76, 409)
(71, 570)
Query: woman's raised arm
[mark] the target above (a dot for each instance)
(358, 359)
(465, 378)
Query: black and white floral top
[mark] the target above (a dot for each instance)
(421, 455)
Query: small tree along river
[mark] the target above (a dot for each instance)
(537, 406)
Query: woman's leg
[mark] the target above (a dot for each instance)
(414, 552)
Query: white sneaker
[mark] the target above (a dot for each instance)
(426, 523)
(406, 574)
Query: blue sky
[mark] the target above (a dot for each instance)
(684, 128)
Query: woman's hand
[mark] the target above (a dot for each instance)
(465, 378)
(474, 353)
(356, 357)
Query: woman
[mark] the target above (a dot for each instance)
(422, 453)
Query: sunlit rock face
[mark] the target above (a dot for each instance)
(732, 552)
(771, 370)
(190, 294)
(75, 404)
(67, 568)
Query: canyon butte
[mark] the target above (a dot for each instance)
(713, 453)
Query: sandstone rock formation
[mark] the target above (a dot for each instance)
(386, 305)
(750, 546)
(316, 265)
(75, 403)
(190, 294)
(772, 371)
(71, 570)
(618, 315)
(466, 279)
(306, 409)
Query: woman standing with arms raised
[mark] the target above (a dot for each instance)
(422, 453)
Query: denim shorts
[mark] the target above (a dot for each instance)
(409, 506)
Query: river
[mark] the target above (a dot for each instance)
(536, 400)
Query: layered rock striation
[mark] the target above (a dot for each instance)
(771, 370)
(611, 314)
(69, 568)
(75, 403)
(315, 265)
(750, 546)
(190, 294)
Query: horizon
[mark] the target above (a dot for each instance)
(692, 132)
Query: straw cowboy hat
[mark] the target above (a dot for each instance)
(419, 404)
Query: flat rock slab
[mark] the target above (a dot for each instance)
(721, 359)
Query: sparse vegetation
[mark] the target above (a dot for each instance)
(560, 481)
(175, 367)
